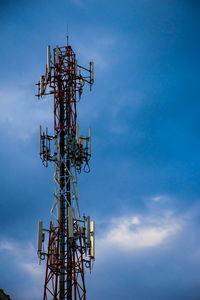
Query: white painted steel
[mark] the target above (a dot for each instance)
(92, 240)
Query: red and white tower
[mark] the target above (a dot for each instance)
(71, 238)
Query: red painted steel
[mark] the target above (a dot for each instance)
(53, 266)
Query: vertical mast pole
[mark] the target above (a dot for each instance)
(62, 198)
(68, 183)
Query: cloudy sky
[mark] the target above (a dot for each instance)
(143, 190)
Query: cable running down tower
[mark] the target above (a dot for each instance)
(71, 237)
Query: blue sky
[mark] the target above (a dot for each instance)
(143, 190)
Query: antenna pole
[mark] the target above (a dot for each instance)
(67, 36)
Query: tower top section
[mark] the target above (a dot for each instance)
(64, 78)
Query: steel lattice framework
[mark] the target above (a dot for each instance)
(71, 239)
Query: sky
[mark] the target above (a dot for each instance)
(143, 190)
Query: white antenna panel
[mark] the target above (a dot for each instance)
(92, 240)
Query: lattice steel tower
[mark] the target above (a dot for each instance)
(71, 238)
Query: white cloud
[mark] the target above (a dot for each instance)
(161, 198)
(21, 113)
(24, 256)
(6, 245)
(135, 220)
(34, 269)
(132, 233)
(157, 198)
(99, 48)
(23, 259)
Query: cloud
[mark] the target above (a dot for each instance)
(21, 114)
(22, 258)
(34, 269)
(136, 232)
(157, 198)
(158, 201)
(162, 198)
(99, 49)
(6, 245)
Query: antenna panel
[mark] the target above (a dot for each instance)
(40, 237)
(92, 240)
(90, 141)
(48, 59)
(81, 140)
(40, 146)
(77, 133)
(88, 232)
(57, 55)
(42, 85)
(92, 71)
(70, 222)
(76, 68)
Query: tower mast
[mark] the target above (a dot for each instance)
(71, 238)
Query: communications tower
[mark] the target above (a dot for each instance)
(70, 236)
